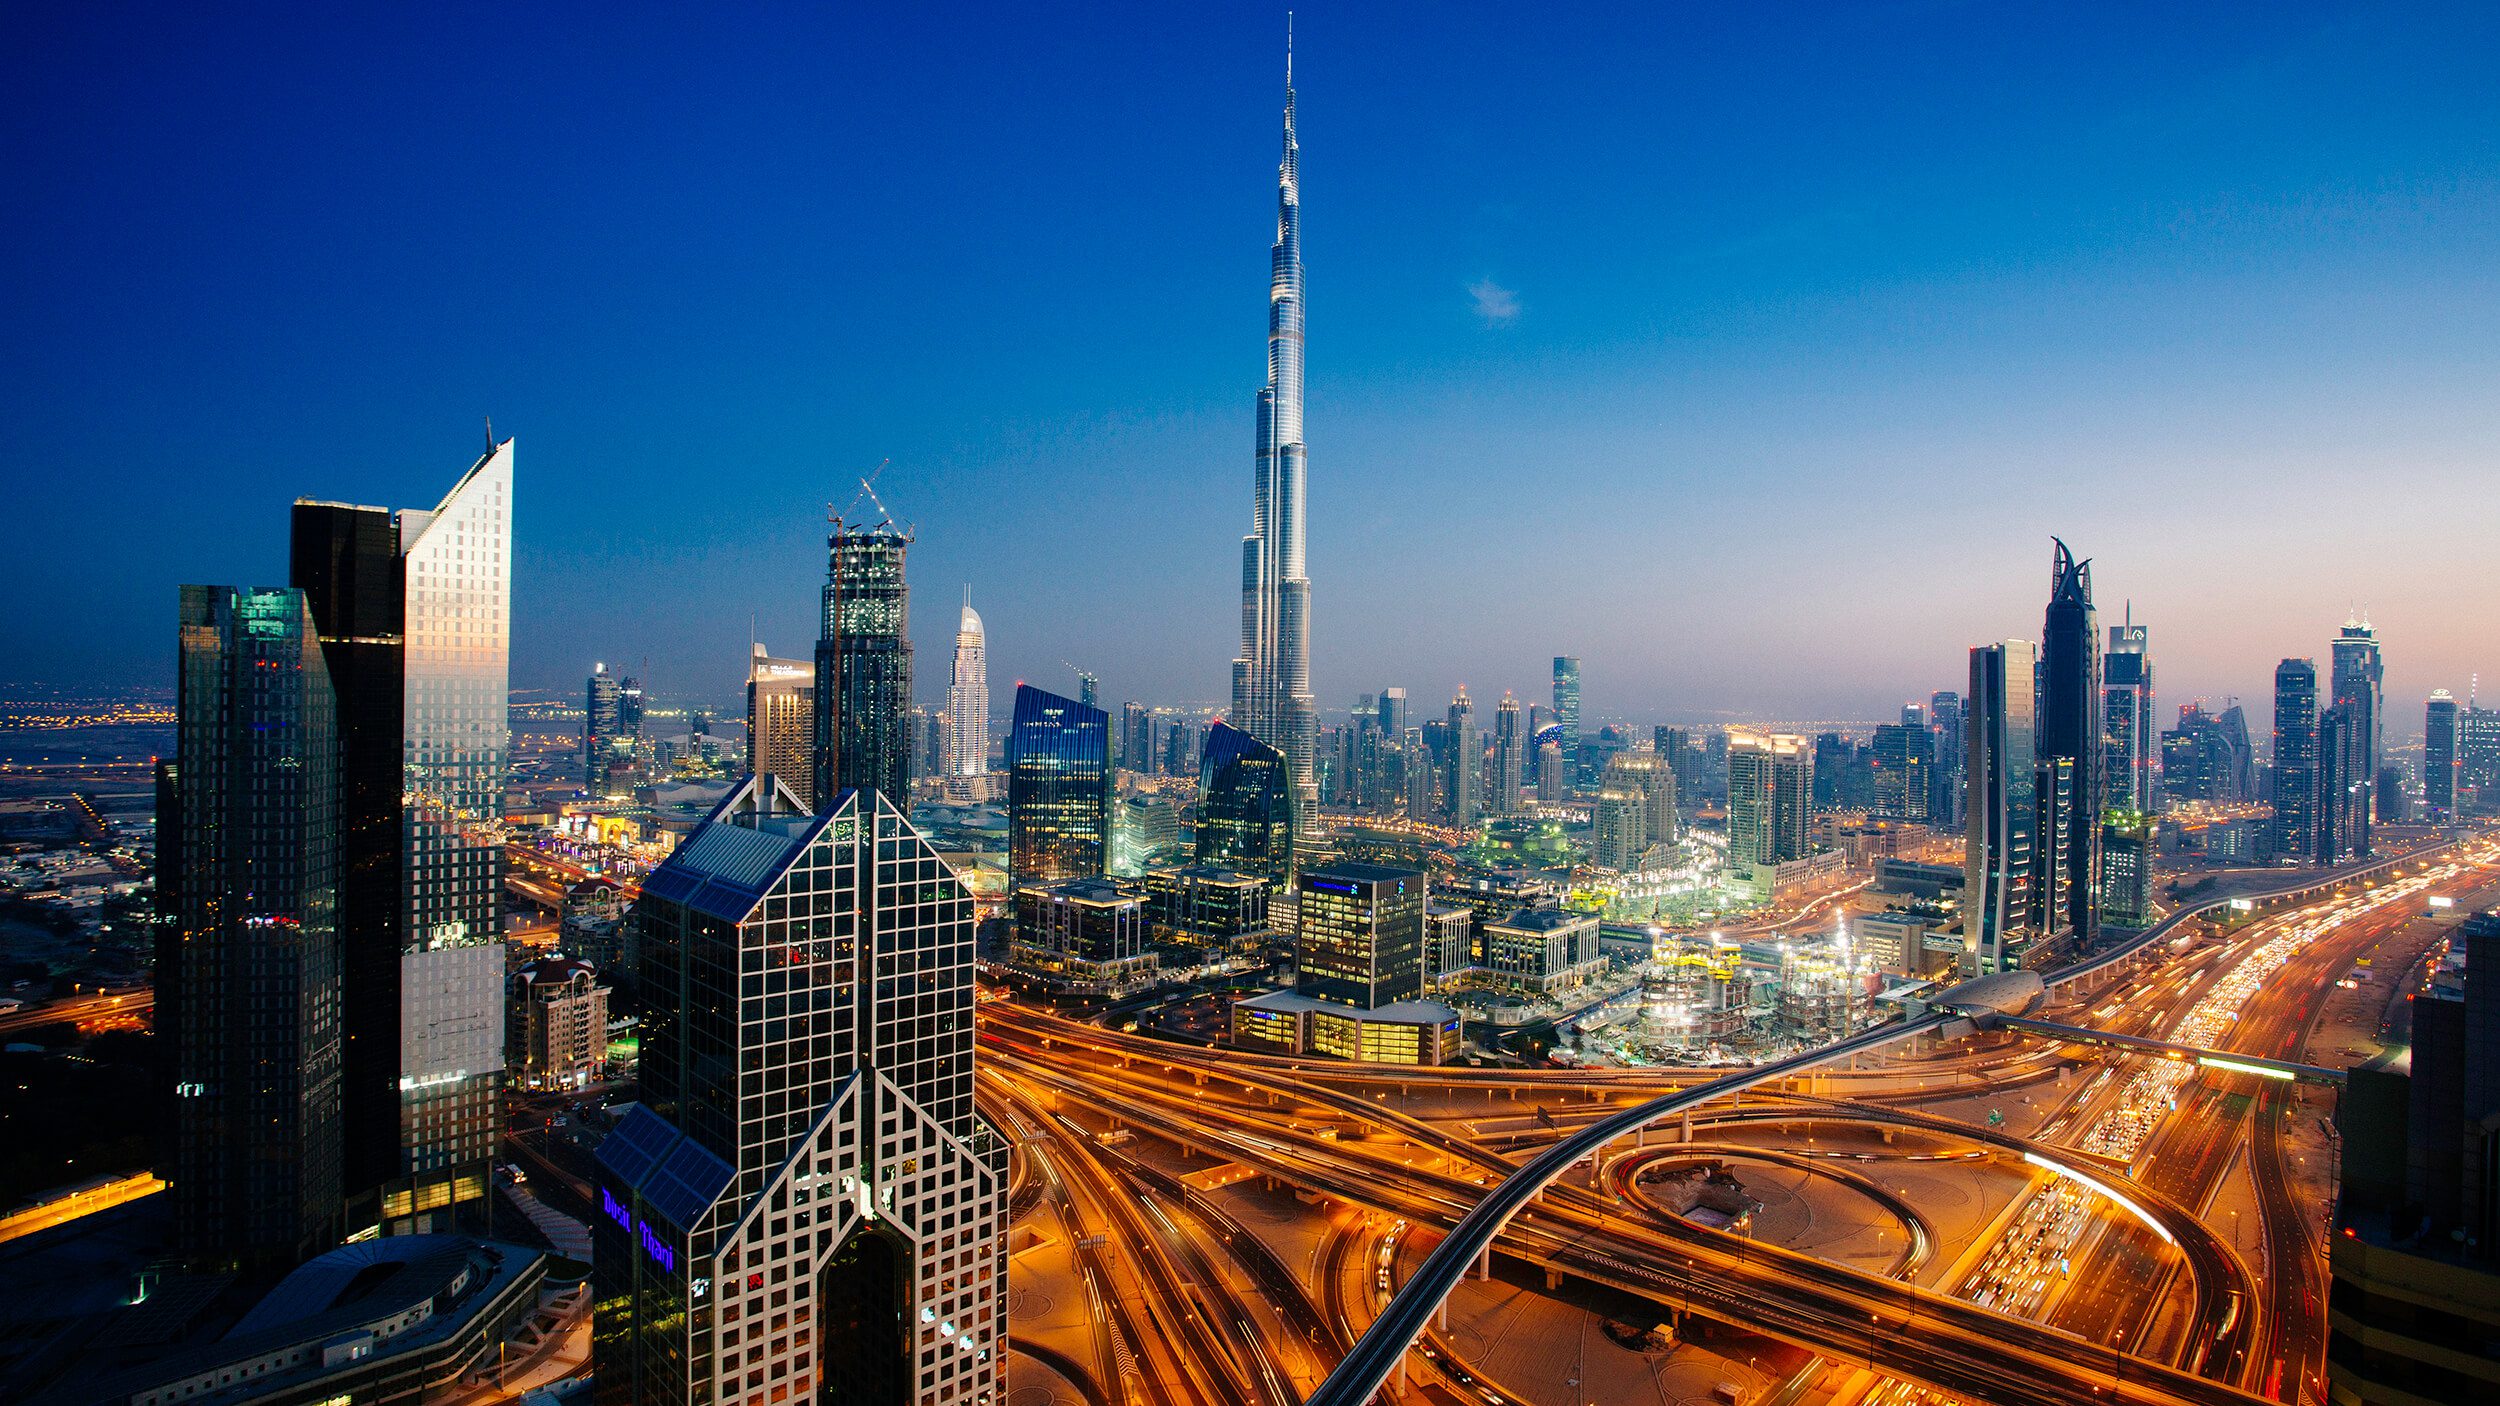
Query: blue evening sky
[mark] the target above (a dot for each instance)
(1750, 352)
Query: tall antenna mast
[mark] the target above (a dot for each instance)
(1288, 48)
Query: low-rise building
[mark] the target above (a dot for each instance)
(1207, 905)
(1402, 1032)
(1087, 934)
(1542, 952)
(558, 1032)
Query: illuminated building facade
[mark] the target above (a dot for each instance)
(248, 985)
(1245, 804)
(1359, 935)
(1542, 952)
(602, 725)
(1567, 712)
(1904, 767)
(2071, 712)
(1770, 801)
(2127, 869)
(1207, 903)
(967, 716)
(1058, 789)
(2295, 833)
(2439, 757)
(2131, 770)
(2003, 780)
(804, 1206)
(559, 1019)
(1088, 933)
(1272, 699)
(862, 734)
(781, 722)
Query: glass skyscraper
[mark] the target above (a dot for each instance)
(414, 609)
(803, 1207)
(1245, 804)
(967, 716)
(2132, 766)
(1567, 710)
(781, 721)
(248, 980)
(2001, 805)
(1058, 789)
(1770, 804)
(863, 665)
(2071, 729)
(2439, 757)
(2359, 675)
(1359, 937)
(2295, 761)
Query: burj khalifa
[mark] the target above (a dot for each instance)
(1272, 676)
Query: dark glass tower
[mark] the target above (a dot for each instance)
(863, 665)
(2002, 805)
(2070, 730)
(2439, 757)
(2342, 818)
(1245, 804)
(345, 559)
(603, 708)
(2295, 760)
(2133, 753)
(1567, 711)
(2359, 675)
(1058, 789)
(254, 1017)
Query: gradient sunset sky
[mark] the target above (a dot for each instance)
(1753, 356)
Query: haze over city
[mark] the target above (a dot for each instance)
(1752, 362)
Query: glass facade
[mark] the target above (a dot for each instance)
(863, 733)
(1245, 804)
(2295, 761)
(2002, 779)
(1359, 939)
(2073, 730)
(250, 1003)
(781, 722)
(1058, 789)
(805, 1198)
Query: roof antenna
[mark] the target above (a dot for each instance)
(490, 434)
(1288, 48)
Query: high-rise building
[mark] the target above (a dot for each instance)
(1272, 699)
(1649, 774)
(1509, 756)
(1947, 725)
(1619, 831)
(2439, 757)
(1137, 747)
(558, 1036)
(1393, 713)
(781, 721)
(2071, 712)
(1359, 934)
(2127, 869)
(2343, 795)
(1567, 706)
(1058, 789)
(2478, 760)
(968, 709)
(1245, 804)
(1904, 763)
(1466, 769)
(629, 708)
(248, 993)
(803, 1204)
(602, 725)
(863, 664)
(2359, 681)
(2001, 800)
(1551, 786)
(2295, 774)
(415, 612)
(1088, 689)
(2132, 770)
(1770, 803)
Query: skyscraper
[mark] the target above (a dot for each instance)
(2342, 817)
(968, 708)
(1904, 761)
(2439, 757)
(1567, 708)
(1137, 738)
(1058, 789)
(1945, 722)
(2071, 711)
(1393, 713)
(629, 708)
(249, 998)
(2132, 768)
(1359, 936)
(2295, 761)
(2478, 759)
(1509, 756)
(803, 1204)
(601, 726)
(1770, 803)
(781, 721)
(2001, 801)
(1245, 804)
(863, 664)
(1466, 761)
(2359, 684)
(1272, 698)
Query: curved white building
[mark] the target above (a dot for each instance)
(968, 709)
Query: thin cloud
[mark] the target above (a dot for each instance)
(1497, 305)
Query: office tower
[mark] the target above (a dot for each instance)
(414, 609)
(1831, 770)
(781, 721)
(1088, 689)
(602, 725)
(803, 1203)
(1770, 799)
(2295, 830)
(629, 708)
(2071, 712)
(1904, 763)
(1058, 789)
(1272, 676)
(1359, 935)
(2342, 814)
(2359, 689)
(1947, 725)
(2054, 880)
(1466, 761)
(2478, 760)
(1551, 787)
(2001, 801)
(2439, 757)
(1181, 747)
(1649, 774)
(1393, 713)
(1620, 830)
(1416, 760)
(1136, 738)
(1509, 756)
(1245, 804)
(1567, 705)
(2131, 771)
(968, 709)
(252, 1013)
(863, 664)
(2127, 869)
(2390, 805)
(2235, 758)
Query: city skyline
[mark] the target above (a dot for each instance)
(1491, 384)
